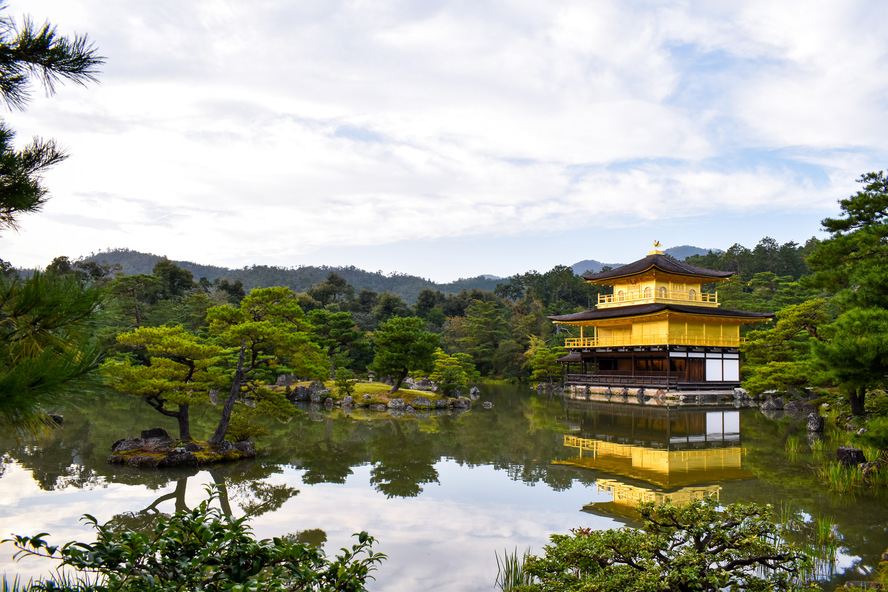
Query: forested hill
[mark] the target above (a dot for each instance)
(299, 279)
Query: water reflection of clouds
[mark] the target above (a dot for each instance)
(443, 539)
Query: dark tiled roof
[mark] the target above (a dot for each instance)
(644, 309)
(573, 356)
(662, 262)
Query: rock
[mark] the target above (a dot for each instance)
(299, 393)
(285, 380)
(798, 408)
(138, 460)
(813, 438)
(328, 403)
(425, 385)
(740, 393)
(397, 404)
(366, 397)
(815, 423)
(348, 401)
(246, 448)
(126, 444)
(178, 459)
(474, 391)
(316, 386)
(441, 404)
(192, 447)
(396, 412)
(409, 410)
(225, 447)
(155, 434)
(378, 407)
(55, 419)
(421, 403)
(487, 405)
(775, 404)
(869, 468)
(862, 431)
(850, 456)
(461, 403)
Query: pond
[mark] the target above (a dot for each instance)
(441, 493)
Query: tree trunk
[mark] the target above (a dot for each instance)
(222, 428)
(857, 398)
(401, 378)
(332, 367)
(184, 423)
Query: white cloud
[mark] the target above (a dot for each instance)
(222, 130)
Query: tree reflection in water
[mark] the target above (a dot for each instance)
(403, 461)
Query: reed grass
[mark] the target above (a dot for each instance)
(793, 444)
(510, 570)
(841, 479)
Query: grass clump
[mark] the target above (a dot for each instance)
(841, 478)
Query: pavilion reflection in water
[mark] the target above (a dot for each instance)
(654, 453)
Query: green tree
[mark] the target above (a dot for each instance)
(402, 347)
(28, 52)
(780, 357)
(44, 344)
(335, 332)
(543, 361)
(855, 352)
(334, 289)
(485, 329)
(696, 547)
(272, 336)
(449, 374)
(47, 323)
(389, 305)
(134, 290)
(853, 262)
(174, 280)
(180, 372)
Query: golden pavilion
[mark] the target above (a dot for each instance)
(657, 329)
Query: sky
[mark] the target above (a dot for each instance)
(448, 139)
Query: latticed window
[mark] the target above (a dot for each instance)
(647, 292)
(663, 292)
(620, 295)
(692, 294)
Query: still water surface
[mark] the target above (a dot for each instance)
(441, 493)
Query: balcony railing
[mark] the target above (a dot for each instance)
(656, 339)
(623, 298)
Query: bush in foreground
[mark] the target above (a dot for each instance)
(202, 549)
(696, 547)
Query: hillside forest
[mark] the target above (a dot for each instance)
(499, 329)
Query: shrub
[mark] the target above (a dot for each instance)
(692, 547)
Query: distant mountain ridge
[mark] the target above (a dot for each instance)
(300, 279)
(681, 253)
